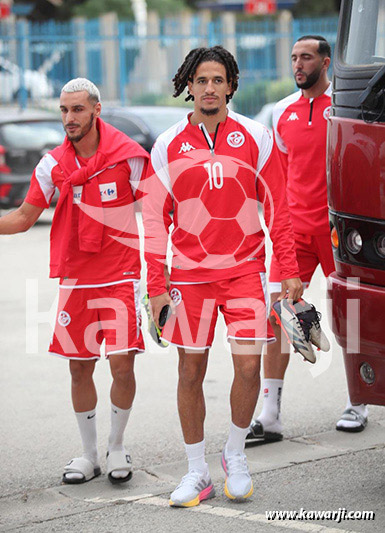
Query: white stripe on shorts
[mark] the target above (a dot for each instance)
(97, 357)
(265, 292)
(95, 286)
(136, 287)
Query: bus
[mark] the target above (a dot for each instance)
(356, 191)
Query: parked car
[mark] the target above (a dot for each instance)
(36, 83)
(25, 136)
(143, 123)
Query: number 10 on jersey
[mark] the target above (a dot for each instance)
(215, 172)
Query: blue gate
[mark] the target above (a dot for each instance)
(132, 64)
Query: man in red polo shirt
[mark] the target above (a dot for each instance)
(207, 174)
(300, 127)
(97, 170)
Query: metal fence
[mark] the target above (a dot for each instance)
(135, 65)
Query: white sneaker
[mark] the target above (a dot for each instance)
(238, 484)
(194, 487)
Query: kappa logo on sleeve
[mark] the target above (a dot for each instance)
(186, 147)
(293, 116)
(108, 191)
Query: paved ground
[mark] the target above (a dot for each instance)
(325, 472)
(315, 467)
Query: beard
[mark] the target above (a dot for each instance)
(209, 112)
(83, 133)
(311, 79)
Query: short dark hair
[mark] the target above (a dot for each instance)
(197, 56)
(324, 48)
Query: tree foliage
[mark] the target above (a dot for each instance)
(311, 8)
(123, 9)
(95, 8)
(44, 9)
(166, 7)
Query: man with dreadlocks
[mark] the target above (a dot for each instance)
(210, 170)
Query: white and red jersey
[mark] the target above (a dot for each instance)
(300, 126)
(119, 259)
(212, 184)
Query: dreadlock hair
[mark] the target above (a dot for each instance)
(197, 56)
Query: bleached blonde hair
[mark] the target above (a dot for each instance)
(82, 84)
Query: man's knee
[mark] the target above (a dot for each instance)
(122, 369)
(81, 371)
(191, 371)
(248, 369)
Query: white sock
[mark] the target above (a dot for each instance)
(119, 419)
(236, 441)
(87, 427)
(196, 456)
(270, 416)
(360, 409)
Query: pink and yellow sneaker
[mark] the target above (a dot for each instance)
(194, 487)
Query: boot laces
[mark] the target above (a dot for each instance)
(236, 463)
(308, 319)
(191, 479)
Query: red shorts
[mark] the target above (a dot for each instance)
(311, 250)
(243, 302)
(87, 316)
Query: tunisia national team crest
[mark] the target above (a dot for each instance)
(235, 139)
(176, 296)
(64, 319)
(327, 112)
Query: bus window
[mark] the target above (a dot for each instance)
(365, 35)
